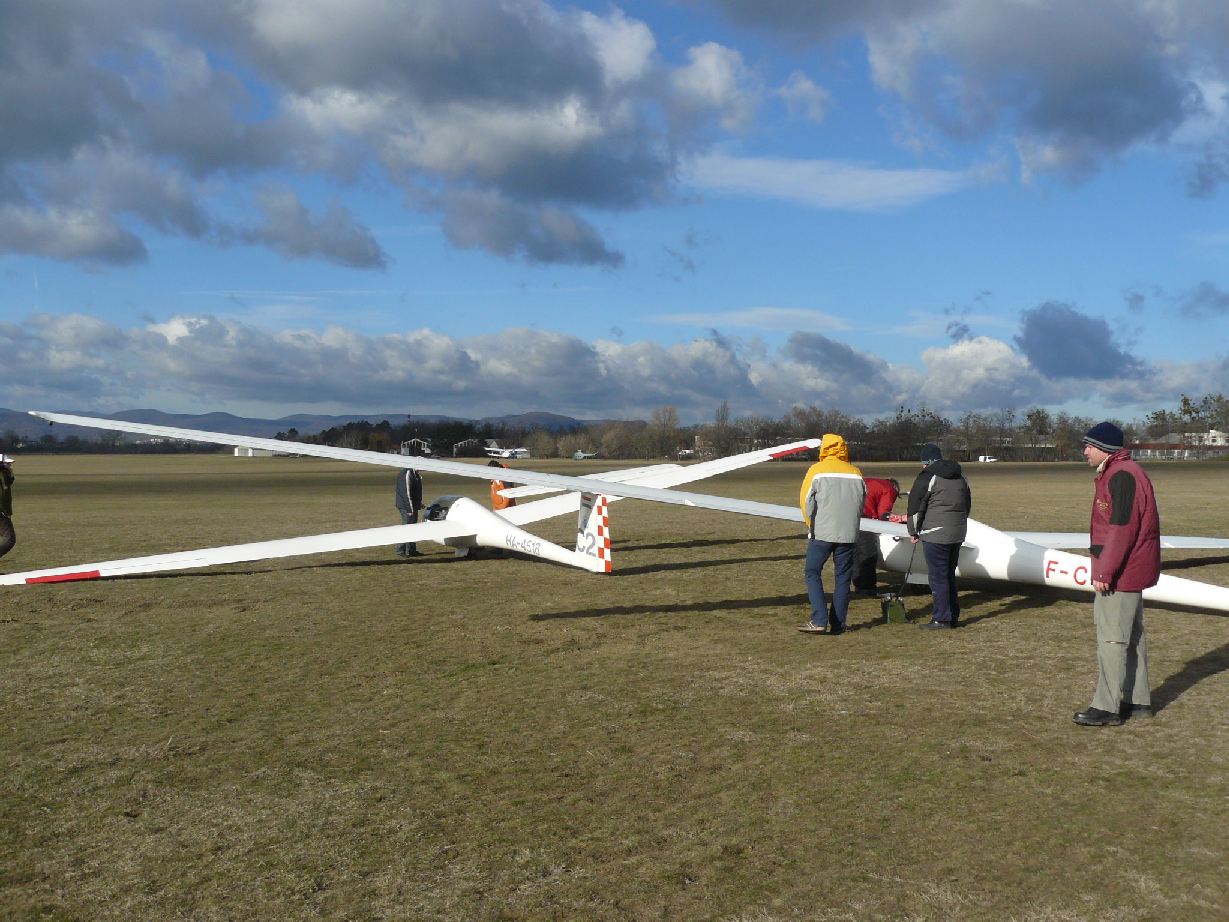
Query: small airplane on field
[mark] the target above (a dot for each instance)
(1023, 557)
(494, 451)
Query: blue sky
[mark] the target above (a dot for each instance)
(477, 207)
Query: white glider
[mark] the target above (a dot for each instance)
(454, 521)
(987, 553)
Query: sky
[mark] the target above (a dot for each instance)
(480, 207)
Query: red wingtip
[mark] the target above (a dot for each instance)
(789, 451)
(66, 577)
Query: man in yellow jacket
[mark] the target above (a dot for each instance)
(831, 498)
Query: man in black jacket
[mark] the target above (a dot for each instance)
(409, 501)
(939, 506)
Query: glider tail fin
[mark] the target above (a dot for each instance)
(593, 531)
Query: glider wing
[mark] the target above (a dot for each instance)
(238, 553)
(1079, 539)
(455, 468)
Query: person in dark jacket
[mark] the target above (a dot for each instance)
(881, 493)
(8, 535)
(939, 505)
(409, 501)
(1125, 543)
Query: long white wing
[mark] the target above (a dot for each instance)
(1079, 539)
(661, 476)
(238, 553)
(457, 469)
(654, 476)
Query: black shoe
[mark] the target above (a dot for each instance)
(1127, 711)
(836, 628)
(936, 625)
(1095, 717)
(955, 623)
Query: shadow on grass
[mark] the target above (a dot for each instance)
(697, 543)
(1193, 563)
(917, 602)
(775, 601)
(693, 564)
(1201, 667)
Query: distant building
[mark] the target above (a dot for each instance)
(418, 448)
(241, 452)
(1176, 446)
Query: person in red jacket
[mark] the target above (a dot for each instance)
(499, 502)
(1125, 543)
(881, 493)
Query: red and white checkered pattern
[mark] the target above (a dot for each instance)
(603, 532)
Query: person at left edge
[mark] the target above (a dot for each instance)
(409, 501)
(8, 535)
(832, 495)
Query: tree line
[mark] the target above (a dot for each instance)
(1034, 434)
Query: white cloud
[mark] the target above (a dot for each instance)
(762, 318)
(715, 79)
(624, 46)
(978, 373)
(805, 97)
(828, 184)
(200, 363)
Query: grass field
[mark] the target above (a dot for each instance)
(357, 737)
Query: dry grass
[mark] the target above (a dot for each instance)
(356, 737)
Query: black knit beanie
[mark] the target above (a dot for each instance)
(1105, 436)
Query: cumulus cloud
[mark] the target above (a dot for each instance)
(981, 373)
(814, 369)
(1061, 342)
(289, 228)
(1071, 86)
(715, 80)
(804, 97)
(537, 234)
(68, 234)
(206, 362)
(130, 117)
(144, 113)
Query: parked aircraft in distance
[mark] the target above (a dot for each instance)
(1024, 557)
(579, 455)
(494, 451)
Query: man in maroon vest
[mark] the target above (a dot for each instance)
(1125, 542)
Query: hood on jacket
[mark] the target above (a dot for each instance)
(948, 470)
(833, 446)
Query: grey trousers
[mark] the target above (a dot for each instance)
(1122, 651)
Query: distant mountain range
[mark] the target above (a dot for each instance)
(30, 428)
